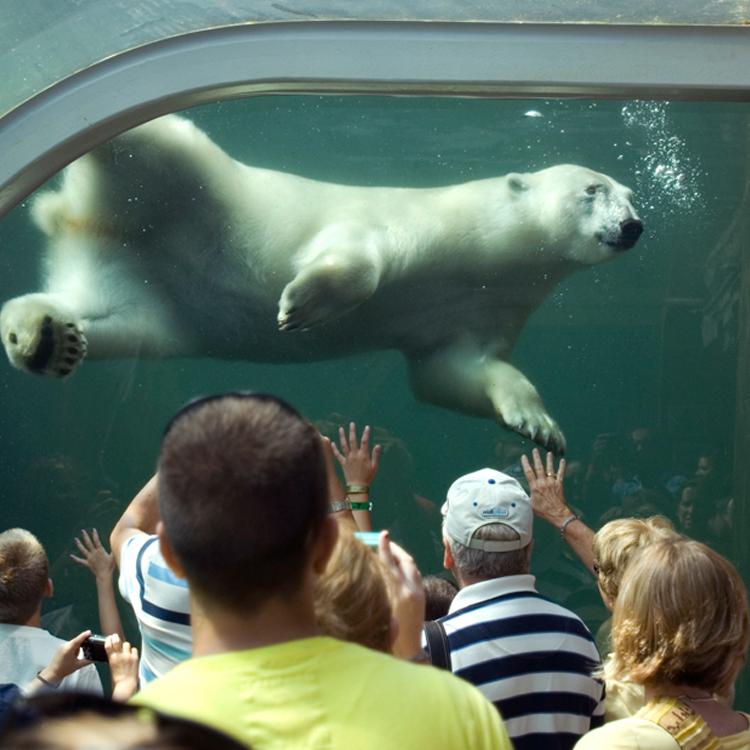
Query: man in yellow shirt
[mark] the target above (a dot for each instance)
(242, 493)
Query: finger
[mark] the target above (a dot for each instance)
(337, 453)
(112, 644)
(376, 453)
(406, 562)
(365, 441)
(538, 466)
(384, 550)
(561, 470)
(79, 560)
(79, 639)
(97, 540)
(84, 550)
(87, 539)
(325, 443)
(550, 464)
(134, 653)
(342, 441)
(353, 436)
(527, 470)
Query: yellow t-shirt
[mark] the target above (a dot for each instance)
(320, 693)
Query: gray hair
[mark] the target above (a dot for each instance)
(478, 564)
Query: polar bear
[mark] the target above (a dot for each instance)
(160, 244)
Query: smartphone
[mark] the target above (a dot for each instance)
(370, 538)
(93, 648)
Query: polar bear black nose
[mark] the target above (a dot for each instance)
(631, 230)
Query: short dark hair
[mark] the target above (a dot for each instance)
(69, 718)
(24, 572)
(242, 491)
(439, 592)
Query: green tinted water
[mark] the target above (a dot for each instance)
(616, 347)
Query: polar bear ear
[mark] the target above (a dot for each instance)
(516, 182)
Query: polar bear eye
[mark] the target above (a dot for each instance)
(591, 189)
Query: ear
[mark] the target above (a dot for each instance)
(324, 544)
(447, 556)
(516, 183)
(49, 589)
(168, 553)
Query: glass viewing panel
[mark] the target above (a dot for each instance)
(43, 42)
(635, 358)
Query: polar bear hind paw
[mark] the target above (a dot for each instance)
(40, 342)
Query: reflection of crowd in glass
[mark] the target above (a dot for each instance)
(271, 616)
(632, 475)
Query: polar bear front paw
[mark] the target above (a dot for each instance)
(309, 300)
(534, 424)
(40, 338)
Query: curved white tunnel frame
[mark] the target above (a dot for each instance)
(48, 131)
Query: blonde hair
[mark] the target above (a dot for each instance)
(681, 618)
(615, 543)
(352, 601)
(24, 572)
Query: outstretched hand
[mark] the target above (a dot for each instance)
(357, 462)
(546, 487)
(94, 557)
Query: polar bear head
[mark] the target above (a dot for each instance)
(586, 216)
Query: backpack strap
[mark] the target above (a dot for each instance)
(688, 729)
(437, 644)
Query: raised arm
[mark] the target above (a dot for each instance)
(360, 467)
(336, 493)
(548, 502)
(141, 516)
(102, 565)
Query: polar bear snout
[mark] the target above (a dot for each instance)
(630, 231)
(626, 235)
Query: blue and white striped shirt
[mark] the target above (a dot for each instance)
(531, 657)
(161, 605)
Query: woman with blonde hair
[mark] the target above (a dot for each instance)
(614, 545)
(681, 629)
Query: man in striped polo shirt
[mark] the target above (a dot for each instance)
(159, 599)
(531, 657)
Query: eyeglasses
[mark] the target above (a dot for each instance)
(199, 401)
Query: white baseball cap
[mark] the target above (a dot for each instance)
(485, 497)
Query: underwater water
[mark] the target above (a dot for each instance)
(644, 349)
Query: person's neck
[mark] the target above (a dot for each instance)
(277, 620)
(677, 691)
(464, 581)
(35, 621)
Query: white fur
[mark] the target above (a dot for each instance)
(161, 244)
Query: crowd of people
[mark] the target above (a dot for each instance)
(270, 615)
